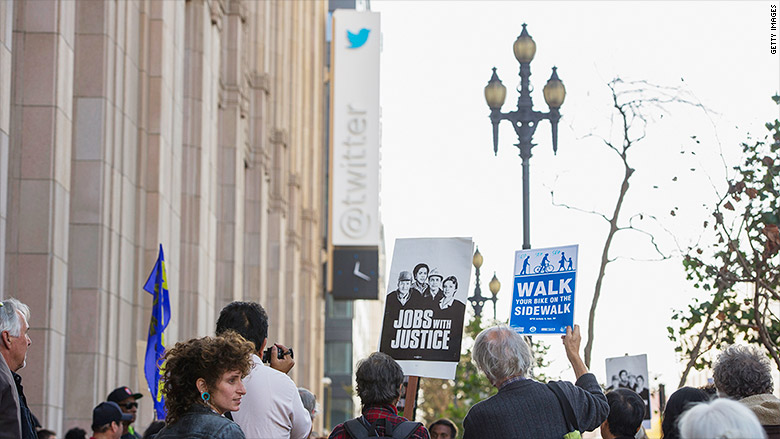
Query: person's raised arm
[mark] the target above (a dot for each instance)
(571, 342)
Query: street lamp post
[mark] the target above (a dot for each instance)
(477, 300)
(494, 286)
(524, 119)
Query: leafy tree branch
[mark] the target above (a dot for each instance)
(741, 257)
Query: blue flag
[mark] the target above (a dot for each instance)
(157, 285)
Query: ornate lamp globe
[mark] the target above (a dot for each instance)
(524, 47)
(554, 91)
(494, 285)
(477, 260)
(495, 92)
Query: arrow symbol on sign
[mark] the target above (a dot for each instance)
(357, 272)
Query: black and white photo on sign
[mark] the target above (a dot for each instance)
(630, 372)
(425, 304)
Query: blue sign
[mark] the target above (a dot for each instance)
(359, 39)
(543, 290)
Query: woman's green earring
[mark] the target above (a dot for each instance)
(205, 396)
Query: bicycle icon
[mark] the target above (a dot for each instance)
(546, 267)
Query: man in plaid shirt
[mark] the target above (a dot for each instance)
(379, 380)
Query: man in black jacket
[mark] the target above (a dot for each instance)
(14, 342)
(524, 407)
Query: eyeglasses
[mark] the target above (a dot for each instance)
(129, 405)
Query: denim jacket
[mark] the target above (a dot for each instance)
(200, 423)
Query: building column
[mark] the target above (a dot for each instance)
(6, 55)
(293, 295)
(39, 192)
(276, 237)
(160, 150)
(201, 79)
(103, 275)
(255, 201)
(232, 159)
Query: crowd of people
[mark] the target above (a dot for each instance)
(214, 386)
(219, 387)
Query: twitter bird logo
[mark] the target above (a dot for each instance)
(359, 39)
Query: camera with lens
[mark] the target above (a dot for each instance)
(279, 354)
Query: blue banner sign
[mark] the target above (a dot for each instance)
(543, 290)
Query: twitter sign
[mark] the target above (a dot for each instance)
(357, 40)
(355, 129)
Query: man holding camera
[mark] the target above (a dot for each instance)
(272, 407)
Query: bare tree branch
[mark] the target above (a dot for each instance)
(643, 215)
(592, 212)
(634, 104)
(653, 242)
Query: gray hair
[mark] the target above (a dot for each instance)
(309, 402)
(720, 419)
(9, 318)
(742, 371)
(500, 353)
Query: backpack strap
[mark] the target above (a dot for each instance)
(360, 428)
(387, 427)
(405, 429)
(568, 413)
(356, 429)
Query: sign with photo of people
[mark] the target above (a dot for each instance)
(425, 305)
(630, 372)
(543, 291)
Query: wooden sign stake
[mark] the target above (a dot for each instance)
(410, 403)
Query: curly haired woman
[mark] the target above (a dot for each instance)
(202, 381)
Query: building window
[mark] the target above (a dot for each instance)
(338, 358)
(339, 309)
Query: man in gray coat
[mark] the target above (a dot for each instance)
(10, 422)
(12, 322)
(523, 407)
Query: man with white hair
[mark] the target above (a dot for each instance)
(10, 422)
(721, 418)
(14, 342)
(524, 407)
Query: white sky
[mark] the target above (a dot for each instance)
(440, 177)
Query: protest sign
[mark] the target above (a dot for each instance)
(423, 321)
(543, 291)
(630, 372)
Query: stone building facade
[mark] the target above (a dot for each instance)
(198, 124)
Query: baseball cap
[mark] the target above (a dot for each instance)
(108, 412)
(121, 393)
(404, 275)
(435, 273)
